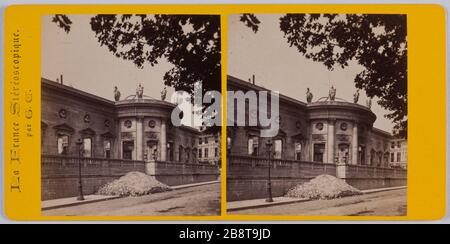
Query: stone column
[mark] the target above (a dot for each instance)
(330, 138)
(163, 141)
(355, 144)
(139, 139)
(368, 147)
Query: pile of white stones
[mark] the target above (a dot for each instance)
(323, 187)
(133, 184)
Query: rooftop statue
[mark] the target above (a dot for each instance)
(116, 94)
(164, 94)
(140, 92)
(356, 96)
(332, 93)
(309, 95)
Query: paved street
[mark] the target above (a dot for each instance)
(193, 201)
(388, 203)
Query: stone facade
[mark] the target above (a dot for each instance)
(325, 131)
(110, 139)
(136, 129)
(76, 115)
(330, 137)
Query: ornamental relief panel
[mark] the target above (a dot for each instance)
(151, 135)
(343, 138)
(318, 137)
(127, 135)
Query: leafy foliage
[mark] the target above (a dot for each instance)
(190, 42)
(62, 21)
(251, 21)
(377, 42)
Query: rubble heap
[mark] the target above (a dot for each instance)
(323, 187)
(133, 184)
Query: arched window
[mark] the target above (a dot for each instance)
(343, 153)
(63, 144)
(108, 140)
(170, 151)
(87, 134)
(319, 150)
(298, 150)
(87, 147)
(63, 132)
(278, 148)
(362, 155)
(127, 149)
(107, 148)
(253, 146)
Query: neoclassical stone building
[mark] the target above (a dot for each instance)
(131, 129)
(333, 132)
(108, 139)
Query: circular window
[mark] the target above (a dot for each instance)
(127, 124)
(319, 126)
(344, 126)
(107, 123)
(62, 113)
(151, 124)
(87, 118)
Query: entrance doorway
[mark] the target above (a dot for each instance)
(127, 150)
(319, 150)
(343, 153)
(151, 150)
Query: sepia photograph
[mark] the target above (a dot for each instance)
(331, 138)
(114, 139)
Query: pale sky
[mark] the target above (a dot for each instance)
(89, 67)
(279, 67)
